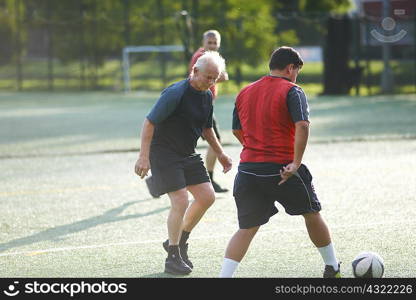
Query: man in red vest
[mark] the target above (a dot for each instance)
(271, 121)
(211, 41)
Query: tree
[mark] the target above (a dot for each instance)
(90, 31)
(7, 31)
(246, 29)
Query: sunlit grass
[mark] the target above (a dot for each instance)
(146, 73)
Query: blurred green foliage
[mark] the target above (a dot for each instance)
(93, 30)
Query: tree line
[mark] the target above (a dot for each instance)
(97, 29)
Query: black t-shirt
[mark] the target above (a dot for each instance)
(179, 116)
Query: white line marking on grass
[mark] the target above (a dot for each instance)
(37, 252)
(64, 190)
(51, 250)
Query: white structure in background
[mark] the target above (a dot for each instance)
(140, 49)
(310, 53)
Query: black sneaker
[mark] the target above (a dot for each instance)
(183, 250)
(218, 188)
(176, 266)
(330, 272)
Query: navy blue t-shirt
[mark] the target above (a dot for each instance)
(179, 116)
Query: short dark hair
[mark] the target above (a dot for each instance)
(283, 56)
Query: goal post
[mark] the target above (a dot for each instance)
(140, 49)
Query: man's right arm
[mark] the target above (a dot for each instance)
(163, 108)
(301, 139)
(143, 162)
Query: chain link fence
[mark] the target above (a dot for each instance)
(82, 50)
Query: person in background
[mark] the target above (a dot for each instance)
(211, 41)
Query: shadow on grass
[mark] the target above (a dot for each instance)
(55, 233)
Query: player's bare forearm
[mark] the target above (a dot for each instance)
(146, 137)
(239, 135)
(143, 162)
(212, 140)
(301, 140)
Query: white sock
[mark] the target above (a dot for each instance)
(228, 268)
(328, 255)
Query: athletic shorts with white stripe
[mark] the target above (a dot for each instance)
(255, 194)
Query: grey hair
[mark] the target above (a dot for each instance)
(212, 33)
(210, 57)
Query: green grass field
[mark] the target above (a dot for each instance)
(73, 207)
(146, 74)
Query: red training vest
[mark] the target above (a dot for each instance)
(267, 127)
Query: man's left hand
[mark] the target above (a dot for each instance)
(226, 162)
(288, 172)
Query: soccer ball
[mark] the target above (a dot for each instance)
(368, 265)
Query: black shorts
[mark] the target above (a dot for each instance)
(170, 176)
(215, 127)
(255, 196)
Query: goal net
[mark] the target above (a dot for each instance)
(142, 49)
